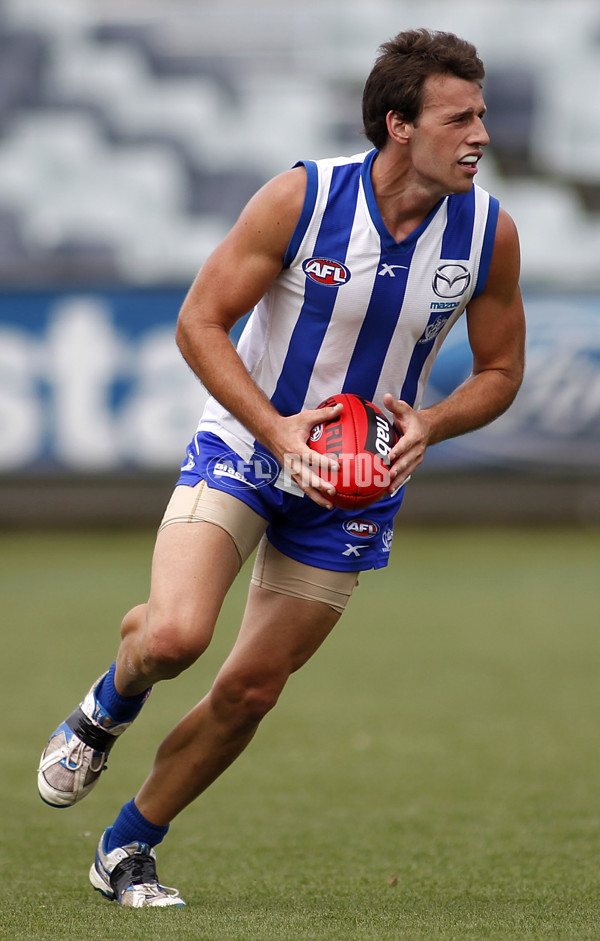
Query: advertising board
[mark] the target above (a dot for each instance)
(91, 381)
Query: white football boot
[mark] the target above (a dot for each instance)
(77, 751)
(127, 875)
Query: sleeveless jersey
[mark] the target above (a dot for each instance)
(352, 309)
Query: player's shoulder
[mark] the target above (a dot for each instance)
(283, 196)
(506, 242)
(505, 262)
(505, 225)
(506, 236)
(275, 208)
(506, 228)
(284, 188)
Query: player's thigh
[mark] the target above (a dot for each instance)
(199, 550)
(193, 567)
(279, 573)
(291, 609)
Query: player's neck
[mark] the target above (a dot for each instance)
(403, 201)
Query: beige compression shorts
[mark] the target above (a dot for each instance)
(272, 570)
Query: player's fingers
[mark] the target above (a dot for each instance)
(401, 411)
(319, 498)
(322, 464)
(406, 462)
(398, 479)
(318, 416)
(307, 460)
(395, 406)
(304, 469)
(402, 446)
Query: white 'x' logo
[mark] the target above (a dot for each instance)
(353, 550)
(389, 269)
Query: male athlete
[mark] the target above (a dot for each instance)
(356, 268)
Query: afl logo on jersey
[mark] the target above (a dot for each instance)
(326, 271)
(451, 280)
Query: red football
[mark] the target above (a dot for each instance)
(360, 439)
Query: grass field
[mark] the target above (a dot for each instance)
(434, 773)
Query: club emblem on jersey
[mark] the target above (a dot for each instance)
(432, 329)
(451, 280)
(326, 271)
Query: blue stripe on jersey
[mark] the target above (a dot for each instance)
(385, 304)
(487, 247)
(310, 198)
(458, 233)
(422, 349)
(313, 320)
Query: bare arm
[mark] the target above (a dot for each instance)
(496, 328)
(230, 283)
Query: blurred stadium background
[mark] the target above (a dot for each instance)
(131, 134)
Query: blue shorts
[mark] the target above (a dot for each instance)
(339, 540)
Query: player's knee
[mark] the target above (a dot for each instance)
(258, 700)
(134, 620)
(171, 645)
(244, 700)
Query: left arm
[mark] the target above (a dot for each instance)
(496, 329)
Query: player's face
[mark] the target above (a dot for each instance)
(448, 137)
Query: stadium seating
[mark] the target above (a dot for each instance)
(131, 138)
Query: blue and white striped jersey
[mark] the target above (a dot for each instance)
(353, 310)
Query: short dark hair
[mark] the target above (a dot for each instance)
(397, 78)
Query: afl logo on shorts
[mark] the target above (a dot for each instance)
(364, 529)
(326, 271)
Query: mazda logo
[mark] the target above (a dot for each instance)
(451, 280)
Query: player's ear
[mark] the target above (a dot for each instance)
(399, 129)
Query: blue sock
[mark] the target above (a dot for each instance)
(131, 827)
(120, 708)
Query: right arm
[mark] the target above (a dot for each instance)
(231, 282)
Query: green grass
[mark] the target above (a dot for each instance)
(433, 773)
